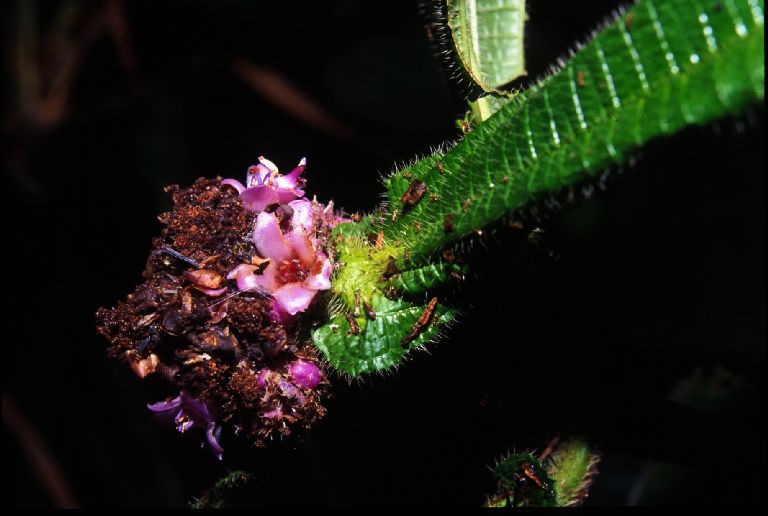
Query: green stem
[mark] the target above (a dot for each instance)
(659, 67)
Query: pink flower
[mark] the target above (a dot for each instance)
(192, 412)
(296, 270)
(265, 185)
(285, 236)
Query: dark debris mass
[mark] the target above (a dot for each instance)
(224, 349)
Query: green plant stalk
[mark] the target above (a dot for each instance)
(659, 67)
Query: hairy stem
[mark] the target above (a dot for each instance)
(658, 67)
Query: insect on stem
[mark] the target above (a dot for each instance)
(369, 311)
(413, 195)
(421, 324)
(354, 328)
(391, 269)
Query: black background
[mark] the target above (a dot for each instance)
(660, 275)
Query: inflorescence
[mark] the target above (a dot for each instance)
(226, 307)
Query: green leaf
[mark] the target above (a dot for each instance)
(379, 344)
(488, 36)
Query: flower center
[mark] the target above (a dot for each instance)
(292, 271)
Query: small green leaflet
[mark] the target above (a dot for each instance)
(378, 345)
(488, 35)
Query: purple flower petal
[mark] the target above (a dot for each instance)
(234, 183)
(302, 246)
(289, 390)
(192, 412)
(293, 297)
(305, 374)
(320, 279)
(286, 183)
(259, 197)
(289, 185)
(269, 239)
(257, 175)
(262, 376)
(270, 166)
(247, 280)
(268, 279)
(162, 406)
(303, 215)
(294, 174)
(196, 409)
(212, 434)
(286, 195)
(275, 413)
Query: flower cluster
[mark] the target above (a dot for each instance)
(234, 270)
